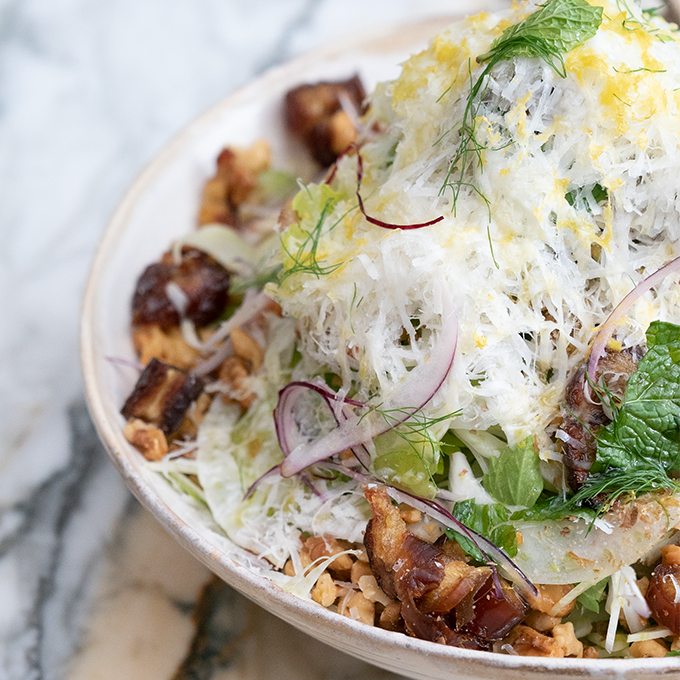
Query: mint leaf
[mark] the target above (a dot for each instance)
(514, 478)
(488, 520)
(554, 508)
(591, 598)
(646, 429)
(551, 31)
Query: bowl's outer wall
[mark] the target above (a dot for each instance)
(160, 206)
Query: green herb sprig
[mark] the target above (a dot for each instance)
(305, 257)
(553, 30)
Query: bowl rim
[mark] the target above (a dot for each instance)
(261, 590)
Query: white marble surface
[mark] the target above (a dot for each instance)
(90, 90)
(90, 587)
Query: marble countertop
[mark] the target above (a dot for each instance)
(90, 586)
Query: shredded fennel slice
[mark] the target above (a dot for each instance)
(571, 551)
(270, 522)
(302, 583)
(577, 590)
(650, 634)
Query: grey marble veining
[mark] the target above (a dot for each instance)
(90, 90)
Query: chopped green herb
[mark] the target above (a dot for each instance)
(489, 520)
(646, 429)
(577, 198)
(514, 478)
(300, 242)
(591, 598)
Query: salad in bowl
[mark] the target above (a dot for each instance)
(436, 389)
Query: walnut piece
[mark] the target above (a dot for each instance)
(169, 346)
(322, 546)
(233, 373)
(549, 596)
(247, 348)
(526, 641)
(147, 439)
(390, 617)
(564, 634)
(359, 569)
(325, 591)
(540, 621)
(410, 515)
(357, 606)
(234, 183)
(647, 649)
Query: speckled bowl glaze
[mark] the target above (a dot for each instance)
(160, 206)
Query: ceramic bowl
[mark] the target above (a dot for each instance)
(160, 206)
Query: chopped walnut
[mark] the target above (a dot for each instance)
(564, 634)
(540, 621)
(390, 617)
(526, 641)
(325, 591)
(357, 606)
(370, 588)
(549, 596)
(359, 569)
(341, 132)
(670, 554)
(323, 546)
(169, 346)
(234, 374)
(363, 555)
(410, 515)
(305, 561)
(647, 649)
(246, 347)
(234, 183)
(590, 653)
(149, 440)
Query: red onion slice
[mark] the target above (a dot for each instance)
(283, 413)
(374, 220)
(416, 390)
(607, 328)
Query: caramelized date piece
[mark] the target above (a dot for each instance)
(385, 534)
(495, 614)
(584, 413)
(314, 114)
(204, 281)
(162, 396)
(435, 628)
(663, 596)
(431, 583)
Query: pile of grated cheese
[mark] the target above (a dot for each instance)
(574, 202)
(535, 256)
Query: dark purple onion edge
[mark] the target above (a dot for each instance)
(374, 220)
